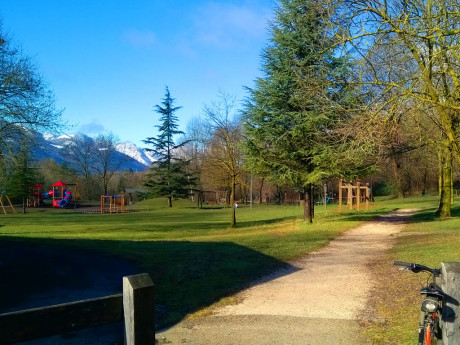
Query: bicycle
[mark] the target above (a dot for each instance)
(430, 326)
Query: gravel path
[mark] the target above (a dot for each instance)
(318, 301)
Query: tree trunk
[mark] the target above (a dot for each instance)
(397, 175)
(451, 179)
(169, 201)
(23, 205)
(228, 198)
(307, 207)
(260, 190)
(445, 179)
(440, 172)
(199, 199)
(106, 186)
(424, 181)
(232, 202)
(312, 201)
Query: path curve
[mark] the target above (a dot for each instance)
(318, 301)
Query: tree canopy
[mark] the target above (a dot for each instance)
(26, 103)
(408, 53)
(293, 110)
(168, 174)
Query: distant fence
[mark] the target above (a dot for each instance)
(135, 306)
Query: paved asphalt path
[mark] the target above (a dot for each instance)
(319, 301)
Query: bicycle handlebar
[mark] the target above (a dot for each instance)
(402, 263)
(416, 268)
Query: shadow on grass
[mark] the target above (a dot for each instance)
(429, 215)
(423, 216)
(207, 207)
(362, 216)
(187, 275)
(247, 223)
(34, 274)
(201, 225)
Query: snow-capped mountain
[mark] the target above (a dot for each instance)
(138, 154)
(52, 146)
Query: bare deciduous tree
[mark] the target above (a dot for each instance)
(81, 153)
(26, 103)
(409, 50)
(224, 156)
(107, 160)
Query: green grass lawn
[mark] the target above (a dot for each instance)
(193, 256)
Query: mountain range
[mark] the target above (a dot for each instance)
(52, 146)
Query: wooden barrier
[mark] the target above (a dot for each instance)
(451, 306)
(69, 317)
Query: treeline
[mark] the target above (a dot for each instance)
(349, 89)
(90, 187)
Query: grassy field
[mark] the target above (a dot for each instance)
(193, 256)
(427, 241)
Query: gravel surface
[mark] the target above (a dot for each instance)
(319, 301)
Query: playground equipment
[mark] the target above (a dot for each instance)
(9, 202)
(62, 193)
(36, 197)
(354, 192)
(112, 203)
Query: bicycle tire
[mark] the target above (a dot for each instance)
(428, 335)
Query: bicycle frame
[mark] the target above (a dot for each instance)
(430, 316)
(429, 327)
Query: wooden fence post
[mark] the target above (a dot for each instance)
(350, 196)
(138, 306)
(451, 306)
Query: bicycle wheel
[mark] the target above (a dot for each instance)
(429, 334)
(426, 330)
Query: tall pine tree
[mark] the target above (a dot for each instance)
(21, 175)
(168, 174)
(293, 108)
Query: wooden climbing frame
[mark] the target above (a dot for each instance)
(358, 191)
(9, 202)
(112, 203)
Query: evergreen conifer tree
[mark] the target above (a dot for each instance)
(168, 174)
(21, 175)
(293, 108)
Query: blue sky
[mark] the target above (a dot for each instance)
(108, 61)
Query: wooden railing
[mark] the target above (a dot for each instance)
(135, 306)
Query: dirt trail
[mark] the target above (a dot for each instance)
(319, 301)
